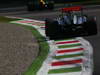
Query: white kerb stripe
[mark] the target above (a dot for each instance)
(69, 53)
(68, 59)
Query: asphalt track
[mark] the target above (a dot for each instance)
(94, 40)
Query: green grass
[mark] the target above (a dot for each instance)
(68, 46)
(68, 56)
(65, 70)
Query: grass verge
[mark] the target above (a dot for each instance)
(69, 46)
(65, 70)
(68, 56)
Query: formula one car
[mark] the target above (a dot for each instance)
(39, 4)
(71, 23)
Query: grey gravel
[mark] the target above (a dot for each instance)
(18, 49)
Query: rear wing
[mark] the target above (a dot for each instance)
(76, 8)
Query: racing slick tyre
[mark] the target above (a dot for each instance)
(91, 26)
(55, 31)
(52, 28)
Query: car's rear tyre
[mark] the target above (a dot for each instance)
(52, 29)
(91, 26)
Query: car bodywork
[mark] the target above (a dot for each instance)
(39, 4)
(71, 23)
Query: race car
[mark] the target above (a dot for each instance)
(39, 4)
(71, 23)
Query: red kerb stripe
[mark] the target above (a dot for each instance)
(70, 50)
(66, 62)
(25, 21)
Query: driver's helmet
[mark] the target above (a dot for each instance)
(79, 19)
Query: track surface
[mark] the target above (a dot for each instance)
(17, 51)
(94, 40)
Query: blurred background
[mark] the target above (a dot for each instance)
(18, 8)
